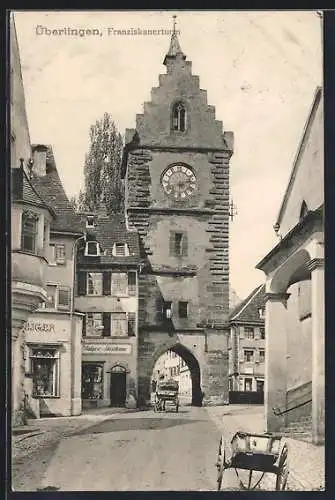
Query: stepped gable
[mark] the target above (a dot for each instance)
(23, 190)
(50, 187)
(178, 84)
(248, 310)
(109, 230)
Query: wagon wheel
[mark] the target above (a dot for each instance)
(220, 464)
(282, 473)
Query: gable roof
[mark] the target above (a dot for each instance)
(109, 230)
(301, 147)
(50, 187)
(248, 309)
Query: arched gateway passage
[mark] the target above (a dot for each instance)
(194, 369)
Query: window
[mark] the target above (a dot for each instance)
(119, 284)
(29, 232)
(167, 310)
(249, 333)
(56, 254)
(51, 296)
(120, 250)
(92, 249)
(178, 243)
(262, 333)
(94, 325)
(261, 355)
(89, 221)
(179, 117)
(91, 381)
(182, 309)
(94, 283)
(64, 297)
(119, 325)
(248, 384)
(260, 385)
(132, 283)
(45, 371)
(131, 324)
(248, 355)
(58, 297)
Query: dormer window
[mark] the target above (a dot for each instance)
(120, 250)
(179, 117)
(92, 249)
(90, 222)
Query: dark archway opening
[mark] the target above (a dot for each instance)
(194, 371)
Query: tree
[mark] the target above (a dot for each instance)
(102, 169)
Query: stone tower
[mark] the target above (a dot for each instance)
(176, 171)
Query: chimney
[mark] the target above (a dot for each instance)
(40, 160)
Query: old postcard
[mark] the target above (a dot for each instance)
(167, 248)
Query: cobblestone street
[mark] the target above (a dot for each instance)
(140, 451)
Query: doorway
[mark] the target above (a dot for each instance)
(118, 388)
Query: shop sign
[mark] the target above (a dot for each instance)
(107, 348)
(38, 326)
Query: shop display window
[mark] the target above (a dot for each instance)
(92, 381)
(45, 372)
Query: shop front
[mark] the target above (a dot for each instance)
(53, 364)
(109, 374)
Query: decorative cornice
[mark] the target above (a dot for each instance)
(181, 211)
(315, 263)
(276, 297)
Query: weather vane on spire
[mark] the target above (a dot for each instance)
(174, 23)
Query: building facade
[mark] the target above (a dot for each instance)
(53, 332)
(294, 269)
(176, 171)
(30, 227)
(247, 347)
(108, 264)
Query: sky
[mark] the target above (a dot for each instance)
(260, 70)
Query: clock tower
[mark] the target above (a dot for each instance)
(176, 172)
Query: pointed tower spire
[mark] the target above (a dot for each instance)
(174, 49)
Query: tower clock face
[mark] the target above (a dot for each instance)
(179, 182)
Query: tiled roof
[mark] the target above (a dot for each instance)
(109, 230)
(248, 309)
(23, 189)
(50, 187)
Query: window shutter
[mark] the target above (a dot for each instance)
(131, 324)
(132, 283)
(64, 297)
(241, 332)
(84, 326)
(159, 309)
(107, 324)
(107, 277)
(172, 242)
(81, 283)
(184, 243)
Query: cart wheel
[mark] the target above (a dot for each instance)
(282, 473)
(220, 464)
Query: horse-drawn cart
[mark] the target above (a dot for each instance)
(265, 453)
(166, 395)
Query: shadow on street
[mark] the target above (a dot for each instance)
(134, 424)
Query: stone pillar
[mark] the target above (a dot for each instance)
(275, 359)
(316, 267)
